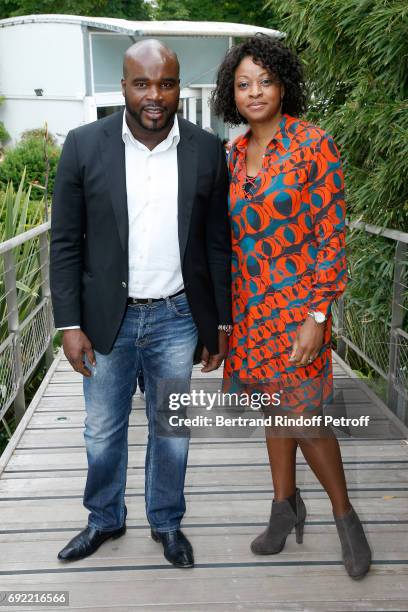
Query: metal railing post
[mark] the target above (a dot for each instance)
(341, 345)
(14, 329)
(397, 319)
(46, 293)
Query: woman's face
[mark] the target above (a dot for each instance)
(257, 92)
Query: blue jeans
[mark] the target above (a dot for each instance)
(159, 339)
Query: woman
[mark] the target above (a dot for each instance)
(287, 217)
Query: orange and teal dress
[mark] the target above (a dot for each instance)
(288, 253)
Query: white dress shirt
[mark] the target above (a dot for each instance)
(152, 190)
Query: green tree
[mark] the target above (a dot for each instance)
(356, 56)
(123, 9)
(355, 53)
(234, 11)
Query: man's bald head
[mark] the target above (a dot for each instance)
(148, 50)
(151, 87)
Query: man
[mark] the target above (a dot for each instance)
(140, 270)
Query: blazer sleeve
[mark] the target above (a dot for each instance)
(218, 236)
(67, 238)
(326, 190)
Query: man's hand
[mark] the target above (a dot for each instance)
(309, 340)
(213, 362)
(75, 345)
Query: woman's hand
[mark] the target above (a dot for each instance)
(309, 340)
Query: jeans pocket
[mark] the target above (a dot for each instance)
(180, 306)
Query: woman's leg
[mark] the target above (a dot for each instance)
(282, 459)
(288, 510)
(324, 457)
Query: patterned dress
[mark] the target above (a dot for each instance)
(288, 241)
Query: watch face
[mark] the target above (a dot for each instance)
(319, 317)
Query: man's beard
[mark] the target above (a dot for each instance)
(151, 128)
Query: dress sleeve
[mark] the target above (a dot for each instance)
(326, 190)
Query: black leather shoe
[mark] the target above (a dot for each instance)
(177, 549)
(88, 541)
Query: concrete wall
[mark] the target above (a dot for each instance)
(60, 115)
(55, 57)
(42, 56)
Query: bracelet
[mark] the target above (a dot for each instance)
(225, 328)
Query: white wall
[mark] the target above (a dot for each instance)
(61, 116)
(49, 56)
(42, 55)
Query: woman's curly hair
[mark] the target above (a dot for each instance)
(279, 60)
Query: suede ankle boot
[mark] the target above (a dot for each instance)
(355, 548)
(283, 519)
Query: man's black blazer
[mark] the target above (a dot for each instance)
(89, 231)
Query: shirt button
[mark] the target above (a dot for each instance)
(124, 284)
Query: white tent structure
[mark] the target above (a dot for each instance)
(66, 69)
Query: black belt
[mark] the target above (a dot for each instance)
(133, 300)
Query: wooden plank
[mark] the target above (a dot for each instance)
(326, 606)
(199, 454)
(65, 513)
(213, 478)
(228, 492)
(216, 586)
(137, 548)
(48, 438)
(65, 374)
(350, 391)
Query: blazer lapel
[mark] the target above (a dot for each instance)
(113, 160)
(187, 159)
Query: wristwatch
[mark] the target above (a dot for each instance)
(318, 317)
(225, 328)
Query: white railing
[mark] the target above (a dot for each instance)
(380, 341)
(27, 327)
(26, 323)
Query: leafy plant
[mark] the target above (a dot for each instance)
(356, 61)
(18, 213)
(28, 156)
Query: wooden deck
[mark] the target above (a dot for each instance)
(228, 492)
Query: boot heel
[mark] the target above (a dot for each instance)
(299, 531)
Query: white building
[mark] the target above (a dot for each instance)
(66, 69)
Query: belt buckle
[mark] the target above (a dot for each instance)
(141, 300)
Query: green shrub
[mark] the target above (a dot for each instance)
(355, 55)
(29, 154)
(4, 135)
(356, 59)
